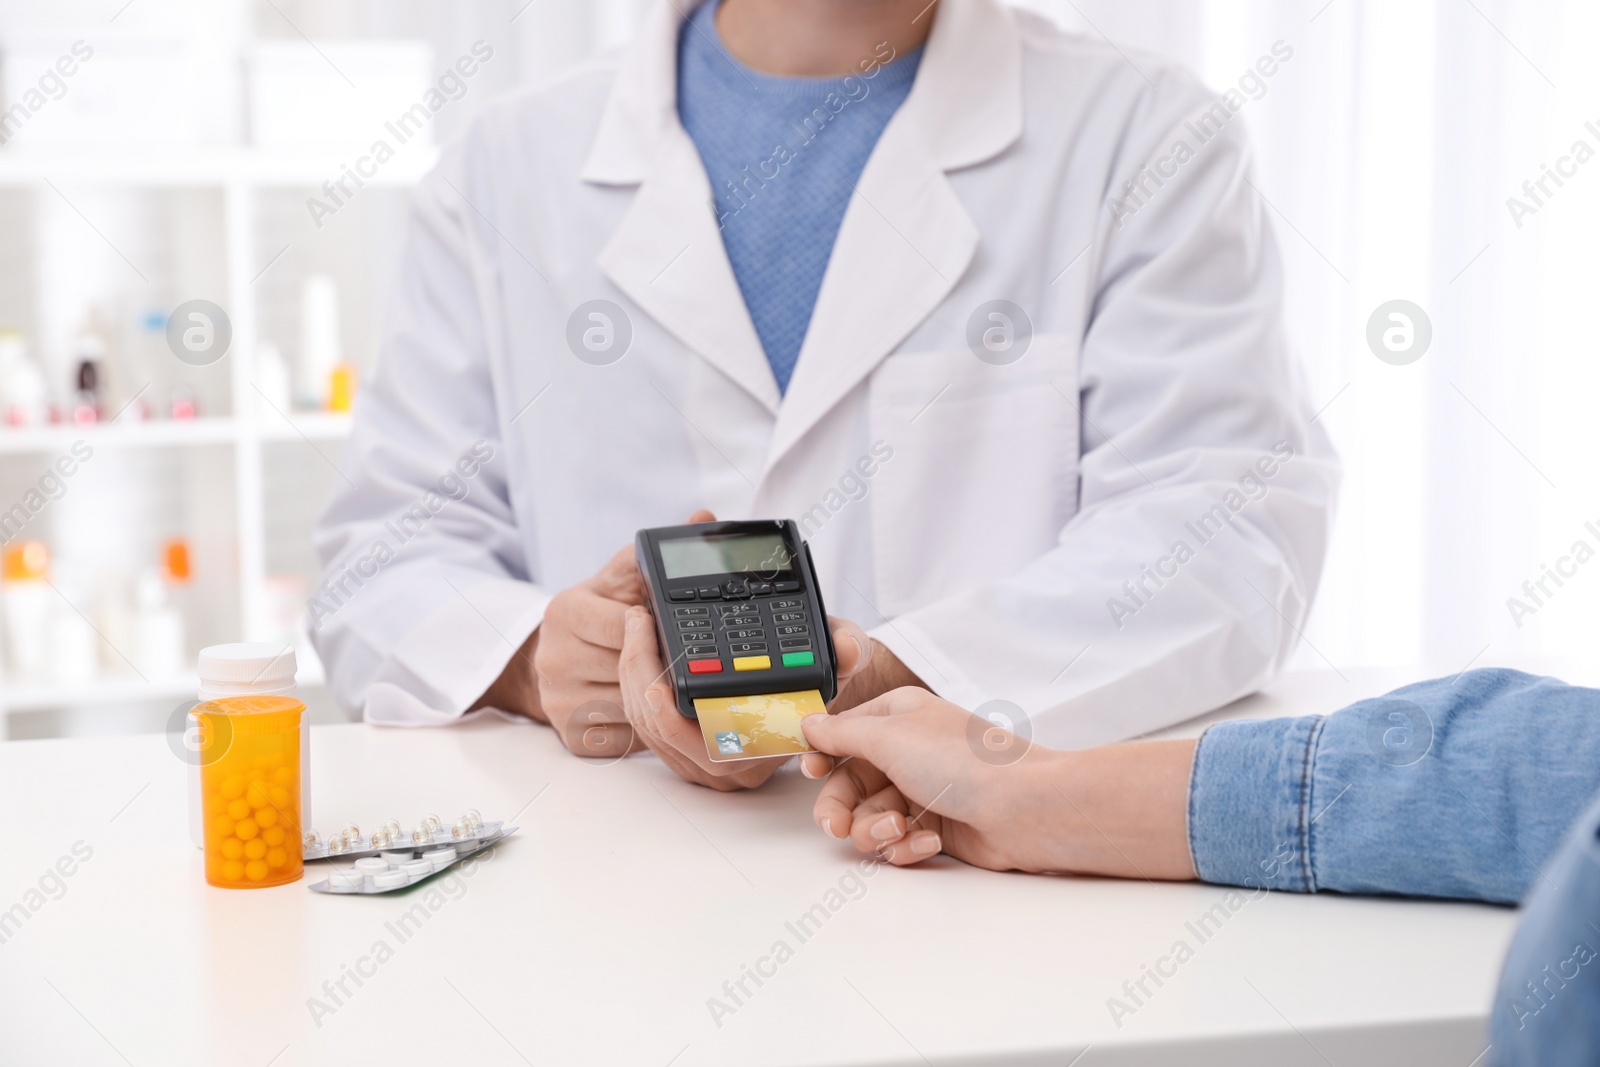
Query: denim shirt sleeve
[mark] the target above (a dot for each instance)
(1447, 788)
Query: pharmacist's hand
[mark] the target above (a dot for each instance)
(910, 784)
(575, 658)
(878, 671)
(647, 697)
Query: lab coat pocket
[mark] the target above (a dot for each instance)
(984, 472)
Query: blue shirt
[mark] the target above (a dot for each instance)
(1481, 787)
(783, 156)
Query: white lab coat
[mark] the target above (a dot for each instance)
(1009, 507)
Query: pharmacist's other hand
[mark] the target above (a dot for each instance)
(908, 783)
(875, 671)
(575, 660)
(647, 697)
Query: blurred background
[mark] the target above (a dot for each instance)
(156, 153)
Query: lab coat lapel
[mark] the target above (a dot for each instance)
(906, 239)
(904, 243)
(668, 255)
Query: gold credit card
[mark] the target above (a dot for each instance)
(767, 724)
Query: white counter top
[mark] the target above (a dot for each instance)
(600, 931)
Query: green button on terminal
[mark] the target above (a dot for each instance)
(799, 659)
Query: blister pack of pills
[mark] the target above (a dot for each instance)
(400, 868)
(350, 843)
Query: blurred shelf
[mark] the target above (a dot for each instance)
(47, 696)
(50, 696)
(59, 438)
(159, 167)
(313, 426)
(248, 184)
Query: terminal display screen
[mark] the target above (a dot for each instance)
(685, 557)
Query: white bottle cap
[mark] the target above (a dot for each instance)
(246, 669)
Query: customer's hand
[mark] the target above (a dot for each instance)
(647, 697)
(914, 775)
(909, 784)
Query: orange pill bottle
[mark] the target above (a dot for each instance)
(239, 670)
(250, 790)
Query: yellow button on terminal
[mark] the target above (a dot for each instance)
(752, 663)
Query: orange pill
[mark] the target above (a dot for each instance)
(223, 825)
(276, 857)
(246, 829)
(279, 795)
(254, 850)
(257, 795)
(273, 836)
(232, 870)
(255, 870)
(232, 848)
(267, 817)
(238, 809)
(232, 787)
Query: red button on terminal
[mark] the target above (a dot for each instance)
(705, 666)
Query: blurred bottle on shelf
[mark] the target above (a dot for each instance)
(342, 387)
(319, 340)
(160, 637)
(86, 399)
(299, 97)
(150, 348)
(271, 379)
(140, 91)
(183, 405)
(28, 603)
(48, 640)
(22, 389)
(113, 617)
(73, 647)
(283, 609)
(175, 560)
(145, 366)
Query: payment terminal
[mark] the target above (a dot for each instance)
(742, 629)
